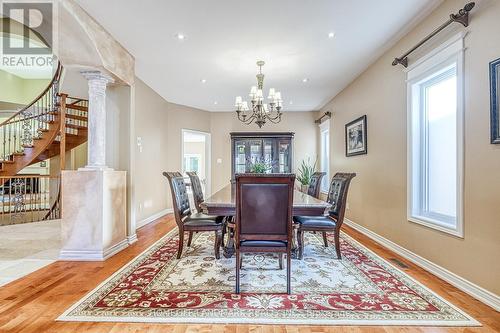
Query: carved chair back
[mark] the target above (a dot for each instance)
(264, 207)
(197, 190)
(179, 196)
(337, 195)
(315, 184)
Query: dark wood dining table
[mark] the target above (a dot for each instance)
(222, 203)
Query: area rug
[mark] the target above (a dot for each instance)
(360, 289)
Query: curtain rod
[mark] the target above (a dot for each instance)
(461, 17)
(320, 119)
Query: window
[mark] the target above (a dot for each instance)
(324, 128)
(191, 163)
(435, 139)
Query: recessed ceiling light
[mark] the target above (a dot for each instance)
(305, 80)
(215, 103)
(331, 34)
(180, 36)
(290, 102)
(203, 81)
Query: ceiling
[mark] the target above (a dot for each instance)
(224, 39)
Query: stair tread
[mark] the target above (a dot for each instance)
(74, 116)
(76, 126)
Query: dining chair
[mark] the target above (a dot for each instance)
(315, 184)
(188, 221)
(264, 218)
(337, 197)
(198, 200)
(197, 190)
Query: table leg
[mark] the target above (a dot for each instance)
(229, 247)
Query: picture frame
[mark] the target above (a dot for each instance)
(495, 101)
(356, 142)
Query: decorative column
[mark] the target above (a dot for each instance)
(94, 198)
(96, 158)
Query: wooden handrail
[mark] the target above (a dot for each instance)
(56, 76)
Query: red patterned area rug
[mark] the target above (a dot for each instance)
(360, 289)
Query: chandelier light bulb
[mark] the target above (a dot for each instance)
(238, 101)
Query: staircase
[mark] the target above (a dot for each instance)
(51, 125)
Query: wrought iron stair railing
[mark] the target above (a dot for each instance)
(21, 130)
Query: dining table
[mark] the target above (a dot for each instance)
(223, 203)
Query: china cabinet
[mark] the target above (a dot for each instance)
(273, 148)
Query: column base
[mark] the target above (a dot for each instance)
(94, 214)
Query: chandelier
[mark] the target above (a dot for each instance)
(259, 111)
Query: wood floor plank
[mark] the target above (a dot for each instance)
(32, 304)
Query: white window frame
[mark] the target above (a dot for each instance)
(451, 51)
(324, 127)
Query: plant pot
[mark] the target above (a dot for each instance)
(304, 188)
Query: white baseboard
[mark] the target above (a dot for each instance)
(466, 286)
(92, 255)
(153, 217)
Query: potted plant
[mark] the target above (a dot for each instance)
(305, 172)
(260, 166)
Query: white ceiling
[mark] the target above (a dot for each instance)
(224, 39)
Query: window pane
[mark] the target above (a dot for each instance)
(441, 151)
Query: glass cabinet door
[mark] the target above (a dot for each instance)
(268, 154)
(255, 150)
(240, 156)
(284, 157)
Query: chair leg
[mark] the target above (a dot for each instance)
(190, 238)
(337, 244)
(241, 261)
(281, 260)
(218, 241)
(288, 272)
(181, 243)
(237, 271)
(224, 226)
(300, 243)
(325, 240)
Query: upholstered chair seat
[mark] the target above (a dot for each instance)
(200, 222)
(202, 216)
(315, 221)
(262, 243)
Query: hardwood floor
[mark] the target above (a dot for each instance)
(32, 303)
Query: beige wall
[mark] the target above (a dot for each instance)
(14, 89)
(378, 195)
(302, 123)
(159, 124)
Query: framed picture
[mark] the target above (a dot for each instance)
(494, 101)
(355, 137)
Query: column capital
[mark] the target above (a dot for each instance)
(97, 76)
